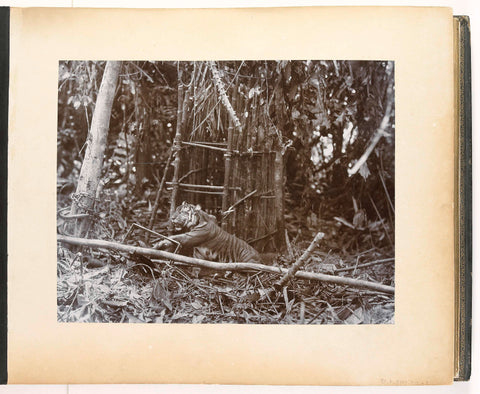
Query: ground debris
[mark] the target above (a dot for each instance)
(121, 292)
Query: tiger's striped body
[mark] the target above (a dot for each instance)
(203, 233)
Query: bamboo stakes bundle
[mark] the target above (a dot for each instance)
(224, 152)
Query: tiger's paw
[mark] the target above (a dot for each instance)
(163, 244)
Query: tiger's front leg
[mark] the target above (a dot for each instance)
(171, 243)
(190, 239)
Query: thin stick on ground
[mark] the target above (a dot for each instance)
(382, 261)
(302, 260)
(160, 254)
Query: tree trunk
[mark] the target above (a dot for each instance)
(84, 197)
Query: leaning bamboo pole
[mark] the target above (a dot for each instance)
(228, 154)
(234, 179)
(278, 177)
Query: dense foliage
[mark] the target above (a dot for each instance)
(327, 112)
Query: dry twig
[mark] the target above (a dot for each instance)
(389, 260)
(305, 256)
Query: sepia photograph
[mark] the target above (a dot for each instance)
(239, 192)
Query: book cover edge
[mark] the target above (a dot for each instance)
(464, 194)
(464, 201)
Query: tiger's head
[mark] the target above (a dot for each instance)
(187, 216)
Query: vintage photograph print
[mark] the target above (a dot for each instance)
(246, 192)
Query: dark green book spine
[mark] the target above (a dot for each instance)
(464, 199)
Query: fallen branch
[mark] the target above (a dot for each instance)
(153, 253)
(303, 258)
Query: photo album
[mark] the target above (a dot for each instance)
(235, 196)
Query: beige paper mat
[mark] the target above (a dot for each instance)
(417, 349)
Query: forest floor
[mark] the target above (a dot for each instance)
(96, 285)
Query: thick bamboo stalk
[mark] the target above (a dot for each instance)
(228, 168)
(176, 144)
(234, 177)
(89, 179)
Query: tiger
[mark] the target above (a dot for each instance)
(208, 239)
